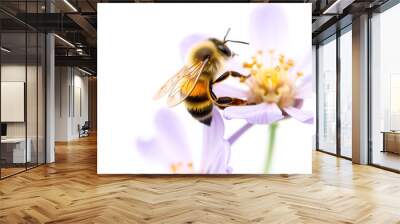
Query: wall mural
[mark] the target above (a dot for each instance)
(205, 89)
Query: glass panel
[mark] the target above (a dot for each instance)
(346, 94)
(327, 96)
(31, 100)
(41, 99)
(385, 86)
(22, 90)
(13, 93)
(32, 88)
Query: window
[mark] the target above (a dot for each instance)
(327, 96)
(346, 92)
(385, 89)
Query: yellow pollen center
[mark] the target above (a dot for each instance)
(273, 84)
(180, 167)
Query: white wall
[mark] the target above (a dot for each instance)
(71, 102)
(34, 126)
(80, 110)
(62, 81)
(16, 73)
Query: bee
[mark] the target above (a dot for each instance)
(193, 83)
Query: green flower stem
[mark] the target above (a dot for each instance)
(271, 144)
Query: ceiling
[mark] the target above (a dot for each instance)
(75, 22)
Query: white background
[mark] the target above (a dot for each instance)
(138, 49)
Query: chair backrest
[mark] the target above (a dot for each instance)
(86, 124)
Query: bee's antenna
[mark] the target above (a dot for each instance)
(236, 41)
(227, 32)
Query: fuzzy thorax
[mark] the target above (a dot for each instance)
(203, 50)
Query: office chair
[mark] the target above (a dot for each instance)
(84, 130)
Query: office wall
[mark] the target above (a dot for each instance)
(80, 102)
(71, 102)
(15, 72)
(61, 103)
(33, 126)
(92, 88)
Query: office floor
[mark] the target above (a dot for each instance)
(386, 159)
(70, 191)
(10, 170)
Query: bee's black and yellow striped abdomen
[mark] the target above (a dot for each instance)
(199, 103)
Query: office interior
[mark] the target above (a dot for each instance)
(46, 86)
(49, 84)
(35, 50)
(335, 72)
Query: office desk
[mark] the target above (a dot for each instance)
(391, 141)
(15, 148)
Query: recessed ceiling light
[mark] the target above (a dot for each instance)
(5, 50)
(64, 40)
(70, 5)
(338, 6)
(84, 71)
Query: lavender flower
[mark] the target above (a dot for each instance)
(276, 92)
(278, 89)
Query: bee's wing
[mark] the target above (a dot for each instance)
(174, 80)
(187, 83)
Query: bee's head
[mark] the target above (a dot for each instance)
(214, 49)
(221, 45)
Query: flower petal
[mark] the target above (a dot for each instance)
(215, 152)
(305, 87)
(219, 163)
(170, 127)
(255, 114)
(303, 61)
(265, 32)
(150, 150)
(303, 116)
(217, 127)
(223, 89)
(169, 145)
(189, 41)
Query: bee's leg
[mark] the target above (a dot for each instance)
(214, 99)
(225, 101)
(225, 75)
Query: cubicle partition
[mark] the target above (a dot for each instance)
(22, 91)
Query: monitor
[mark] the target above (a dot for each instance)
(3, 129)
